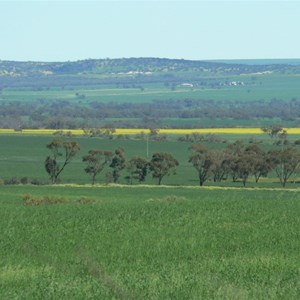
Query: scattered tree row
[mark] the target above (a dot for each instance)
(238, 162)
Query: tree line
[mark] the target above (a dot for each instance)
(237, 162)
(65, 114)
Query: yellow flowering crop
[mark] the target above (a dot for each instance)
(131, 131)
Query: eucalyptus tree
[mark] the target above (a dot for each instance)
(62, 153)
(202, 160)
(162, 164)
(96, 160)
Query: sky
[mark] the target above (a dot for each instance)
(197, 30)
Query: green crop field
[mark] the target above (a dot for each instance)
(265, 87)
(223, 240)
(150, 243)
(257, 87)
(24, 156)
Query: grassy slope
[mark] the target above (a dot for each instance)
(132, 243)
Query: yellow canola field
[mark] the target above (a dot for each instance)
(131, 131)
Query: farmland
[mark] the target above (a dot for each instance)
(147, 93)
(131, 240)
(23, 155)
(167, 243)
(263, 87)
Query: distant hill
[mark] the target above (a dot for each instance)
(281, 61)
(132, 70)
(136, 65)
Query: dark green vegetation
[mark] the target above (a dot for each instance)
(149, 92)
(149, 243)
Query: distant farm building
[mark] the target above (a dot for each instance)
(187, 85)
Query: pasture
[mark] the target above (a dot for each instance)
(150, 243)
(177, 241)
(257, 87)
(23, 155)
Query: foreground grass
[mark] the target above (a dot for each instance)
(150, 243)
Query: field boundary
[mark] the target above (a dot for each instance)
(136, 186)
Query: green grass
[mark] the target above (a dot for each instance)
(144, 243)
(266, 87)
(24, 156)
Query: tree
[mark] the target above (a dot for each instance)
(96, 161)
(138, 168)
(162, 164)
(51, 168)
(247, 160)
(118, 163)
(244, 166)
(261, 163)
(202, 161)
(274, 131)
(221, 167)
(232, 154)
(285, 163)
(65, 150)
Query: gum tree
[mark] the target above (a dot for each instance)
(96, 160)
(118, 163)
(162, 164)
(285, 163)
(138, 168)
(202, 160)
(62, 153)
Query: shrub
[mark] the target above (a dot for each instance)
(13, 180)
(37, 182)
(84, 200)
(30, 200)
(24, 180)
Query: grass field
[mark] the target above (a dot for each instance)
(176, 241)
(258, 87)
(23, 155)
(150, 243)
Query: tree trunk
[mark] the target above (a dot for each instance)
(201, 182)
(159, 180)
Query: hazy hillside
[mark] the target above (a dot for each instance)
(123, 70)
(149, 92)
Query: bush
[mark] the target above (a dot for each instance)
(37, 182)
(24, 180)
(30, 200)
(13, 180)
(84, 200)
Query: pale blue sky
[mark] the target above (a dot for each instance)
(72, 30)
